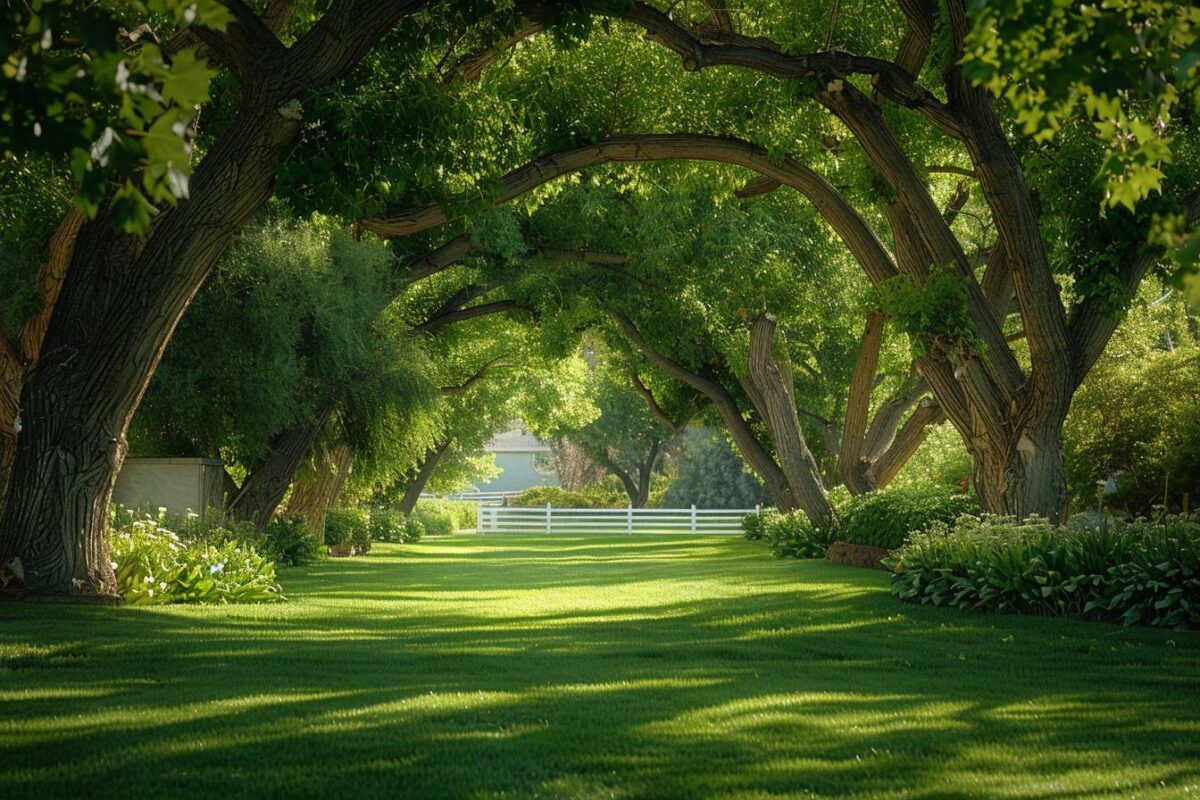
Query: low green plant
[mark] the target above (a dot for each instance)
(289, 542)
(154, 565)
(754, 526)
(435, 519)
(414, 530)
(792, 535)
(886, 518)
(347, 526)
(387, 525)
(595, 496)
(1132, 573)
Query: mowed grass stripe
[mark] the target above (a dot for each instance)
(590, 666)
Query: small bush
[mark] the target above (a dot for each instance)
(461, 513)
(435, 519)
(289, 542)
(1132, 573)
(154, 566)
(887, 517)
(754, 526)
(346, 525)
(387, 525)
(596, 496)
(791, 535)
(414, 530)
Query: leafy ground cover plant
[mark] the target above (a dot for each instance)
(1135, 573)
(788, 535)
(886, 518)
(155, 566)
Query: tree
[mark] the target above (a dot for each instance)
(1009, 413)
(75, 412)
(627, 439)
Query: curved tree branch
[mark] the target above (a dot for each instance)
(828, 201)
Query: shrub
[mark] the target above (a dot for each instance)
(346, 525)
(1132, 573)
(754, 526)
(791, 535)
(460, 513)
(595, 496)
(712, 475)
(435, 519)
(887, 517)
(154, 566)
(414, 529)
(387, 525)
(291, 543)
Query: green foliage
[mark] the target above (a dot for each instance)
(289, 542)
(601, 495)
(1135, 574)
(1136, 416)
(886, 518)
(937, 310)
(387, 525)
(154, 565)
(463, 512)
(347, 526)
(390, 525)
(414, 530)
(1129, 66)
(711, 475)
(122, 114)
(791, 535)
(435, 518)
(754, 526)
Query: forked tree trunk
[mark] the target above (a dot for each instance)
(771, 389)
(312, 498)
(637, 483)
(264, 488)
(413, 492)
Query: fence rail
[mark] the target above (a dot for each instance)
(509, 519)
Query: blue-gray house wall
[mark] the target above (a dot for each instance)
(518, 473)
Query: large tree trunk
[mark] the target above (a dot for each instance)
(413, 492)
(264, 488)
(118, 305)
(771, 389)
(311, 499)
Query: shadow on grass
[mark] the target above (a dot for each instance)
(585, 667)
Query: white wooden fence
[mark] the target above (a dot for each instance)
(509, 519)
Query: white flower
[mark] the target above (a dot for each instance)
(47, 39)
(37, 129)
(162, 586)
(113, 564)
(21, 68)
(215, 568)
(189, 16)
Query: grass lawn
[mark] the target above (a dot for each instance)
(508, 666)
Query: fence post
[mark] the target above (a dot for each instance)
(693, 517)
(479, 516)
(629, 519)
(549, 512)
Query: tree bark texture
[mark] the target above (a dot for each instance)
(264, 488)
(412, 492)
(313, 496)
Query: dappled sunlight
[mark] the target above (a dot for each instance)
(615, 666)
